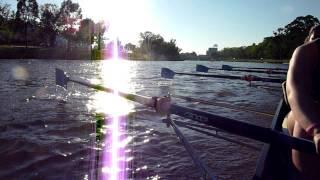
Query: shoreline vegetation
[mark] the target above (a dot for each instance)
(41, 53)
(50, 31)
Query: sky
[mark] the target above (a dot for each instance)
(196, 24)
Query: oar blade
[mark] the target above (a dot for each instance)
(226, 67)
(61, 78)
(201, 68)
(167, 73)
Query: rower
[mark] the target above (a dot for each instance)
(303, 94)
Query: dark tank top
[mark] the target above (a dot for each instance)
(316, 76)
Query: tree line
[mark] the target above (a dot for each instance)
(279, 46)
(34, 25)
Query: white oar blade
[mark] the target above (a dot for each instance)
(61, 78)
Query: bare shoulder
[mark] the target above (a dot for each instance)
(308, 50)
(306, 55)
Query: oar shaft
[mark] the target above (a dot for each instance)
(243, 129)
(216, 135)
(205, 170)
(255, 78)
(259, 71)
(147, 101)
(280, 69)
(211, 75)
(224, 105)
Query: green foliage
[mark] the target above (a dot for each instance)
(85, 34)
(279, 46)
(27, 10)
(48, 23)
(154, 47)
(69, 18)
(100, 121)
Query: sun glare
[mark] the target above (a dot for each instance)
(127, 18)
(115, 74)
(124, 18)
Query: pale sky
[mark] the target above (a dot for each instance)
(196, 24)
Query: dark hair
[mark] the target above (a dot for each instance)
(315, 29)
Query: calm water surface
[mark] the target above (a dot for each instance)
(47, 132)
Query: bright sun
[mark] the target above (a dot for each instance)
(127, 18)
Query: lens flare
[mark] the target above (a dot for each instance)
(20, 73)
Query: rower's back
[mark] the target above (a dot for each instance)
(303, 90)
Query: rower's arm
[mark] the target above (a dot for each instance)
(299, 85)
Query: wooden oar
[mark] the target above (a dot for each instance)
(241, 128)
(169, 74)
(201, 68)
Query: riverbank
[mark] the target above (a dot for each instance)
(272, 61)
(34, 52)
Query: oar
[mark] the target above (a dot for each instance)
(62, 79)
(205, 170)
(227, 67)
(219, 104)
(186, 125)
(201, 68)
(241, 128)
(169, 74)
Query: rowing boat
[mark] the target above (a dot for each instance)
(275, 158)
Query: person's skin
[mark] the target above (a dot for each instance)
(305, 111)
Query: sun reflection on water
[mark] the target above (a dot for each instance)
(111, 130)
(115, 74)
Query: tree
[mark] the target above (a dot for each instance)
(130, 47)
(279, 46)
(86, 31)
(48, 22)
(27, 12)
(69, 18)
(6, 31)
(4, 13)
(297, 31)
(154, 47)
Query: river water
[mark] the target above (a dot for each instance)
(47, 132)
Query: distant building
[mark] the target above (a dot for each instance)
(212, 51)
